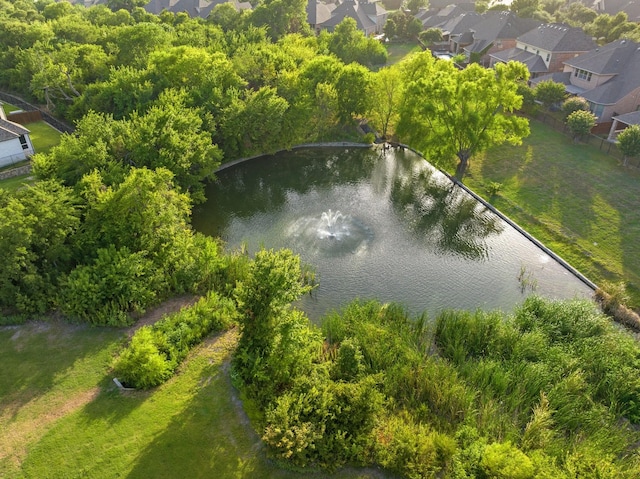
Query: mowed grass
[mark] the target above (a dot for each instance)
(397, 51)
(62, 416)
(43, 136)
(578, 201)
(16, 182)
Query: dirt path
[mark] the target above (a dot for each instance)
(155, 314)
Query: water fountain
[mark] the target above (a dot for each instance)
(330, 233)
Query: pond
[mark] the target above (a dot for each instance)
(380, 224)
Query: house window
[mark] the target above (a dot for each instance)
(23, 142)
(548, 56)
(582, 74)
(526, 48)
(596, 108)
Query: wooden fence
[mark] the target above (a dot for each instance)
(24, 117)
(27, 107)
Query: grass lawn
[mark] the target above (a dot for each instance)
(578, 201)
(397, 51)
(12, 184)
(9, 108)
(43, 136)
(62, 416)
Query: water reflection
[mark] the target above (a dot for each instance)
(441, 213)
(378, 224)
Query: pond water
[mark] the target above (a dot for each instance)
(380, 224)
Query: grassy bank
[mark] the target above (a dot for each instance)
(575, 199)
(61, 415)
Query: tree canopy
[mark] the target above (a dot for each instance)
(449, 113)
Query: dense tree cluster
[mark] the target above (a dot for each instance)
(540, 393)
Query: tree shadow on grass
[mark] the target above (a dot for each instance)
(212, 437)
(40, 357)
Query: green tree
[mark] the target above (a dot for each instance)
(524, 8)
(281, 17)
(431, 35)
(574, 103)
(127, 5)
(37, 226)
(450, 113)
(550, 93)
(607, 28)
(143, 213)
(415, 5)
(580, 123)
(273, 282)
(353, 87)
(629, 142)
(171, 136)
(351, 45)
(386, 94)
(253, 124)
(135, 42)
(576, 14)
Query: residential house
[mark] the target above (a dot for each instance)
(545, 49)
(496, 32)
(436, 18)
(318, 13)
(370, 17)
(621, 122)
(457, 31)
(613, 7)
(608, 77)
(15, 144)
(194, 8)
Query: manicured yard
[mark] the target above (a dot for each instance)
(578, 201)
(43, 136)
(397, 51)
(62, 416)
(9, 108)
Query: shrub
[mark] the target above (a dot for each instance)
(413, 449)
(142, 365)
(319, 422)
(580, 123)
(504, 461)
(155, 352)
(575, 103)
(116, 283)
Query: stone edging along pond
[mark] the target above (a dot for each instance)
(488, 205)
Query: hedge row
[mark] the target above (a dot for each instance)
(156, 351)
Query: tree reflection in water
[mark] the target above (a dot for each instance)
(439, 211)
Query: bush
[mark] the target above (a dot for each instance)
(117, 283)
(142, 365)
(580, 123)
(155, 352)
(412, 449)
(504, 461)
(575, 103)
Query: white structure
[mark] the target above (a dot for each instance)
(15, 144)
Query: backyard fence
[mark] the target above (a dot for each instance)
(24, 117)
(608, 147)
(28, 107)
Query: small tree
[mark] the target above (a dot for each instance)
(580, 123)
(430, 36)
(549, 93)
(629, 142)
(574, 103)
